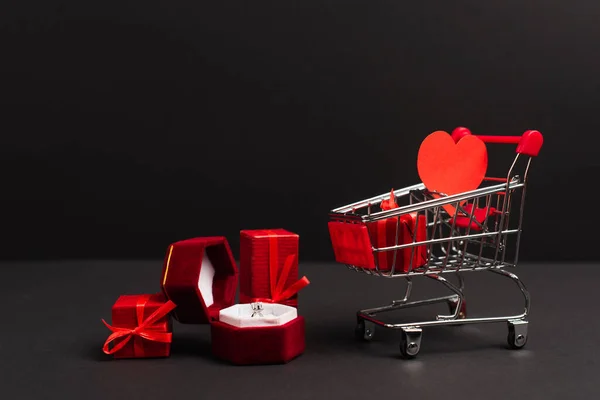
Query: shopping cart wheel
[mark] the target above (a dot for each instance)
(410, 343)
(365, 330)
(517, 334)
(452, 303)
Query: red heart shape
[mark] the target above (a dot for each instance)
(451, 168)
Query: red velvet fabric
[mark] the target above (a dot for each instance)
(255, 263)
(181, 272)
(258, 345)
(124, 315)
(383, 234)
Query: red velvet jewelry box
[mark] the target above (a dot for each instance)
(200, 277)
(268, 275)
(238, 340)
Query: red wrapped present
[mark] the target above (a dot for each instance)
(274, 337)
(351, 244)
(383, 234)
(269, 267)
(200, 277)
(353, 241)
(141, 327)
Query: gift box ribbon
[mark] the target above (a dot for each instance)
(143, 330)
(278, 293)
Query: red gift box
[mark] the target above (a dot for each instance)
(353, 241)
(254, 345)
(269, 267)
(383, 234)
(141, 327)
(200, 277)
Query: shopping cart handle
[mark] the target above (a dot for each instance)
(528, 144)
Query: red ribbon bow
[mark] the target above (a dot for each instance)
(143, 329)
(389, 204)
(278, 293)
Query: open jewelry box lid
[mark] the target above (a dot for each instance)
(200, 276)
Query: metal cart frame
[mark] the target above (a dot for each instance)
(453, 246)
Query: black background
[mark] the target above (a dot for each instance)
(127, 125)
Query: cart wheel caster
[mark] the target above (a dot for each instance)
(365, 330)
(517, 334)
(410, 343)
(462, 314)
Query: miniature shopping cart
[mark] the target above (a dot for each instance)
(433, 234)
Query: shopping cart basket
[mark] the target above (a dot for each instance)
(481, 234)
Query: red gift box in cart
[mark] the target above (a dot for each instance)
(482, 234)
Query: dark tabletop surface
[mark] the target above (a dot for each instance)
(51, 339)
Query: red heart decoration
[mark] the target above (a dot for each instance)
(451, 168)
